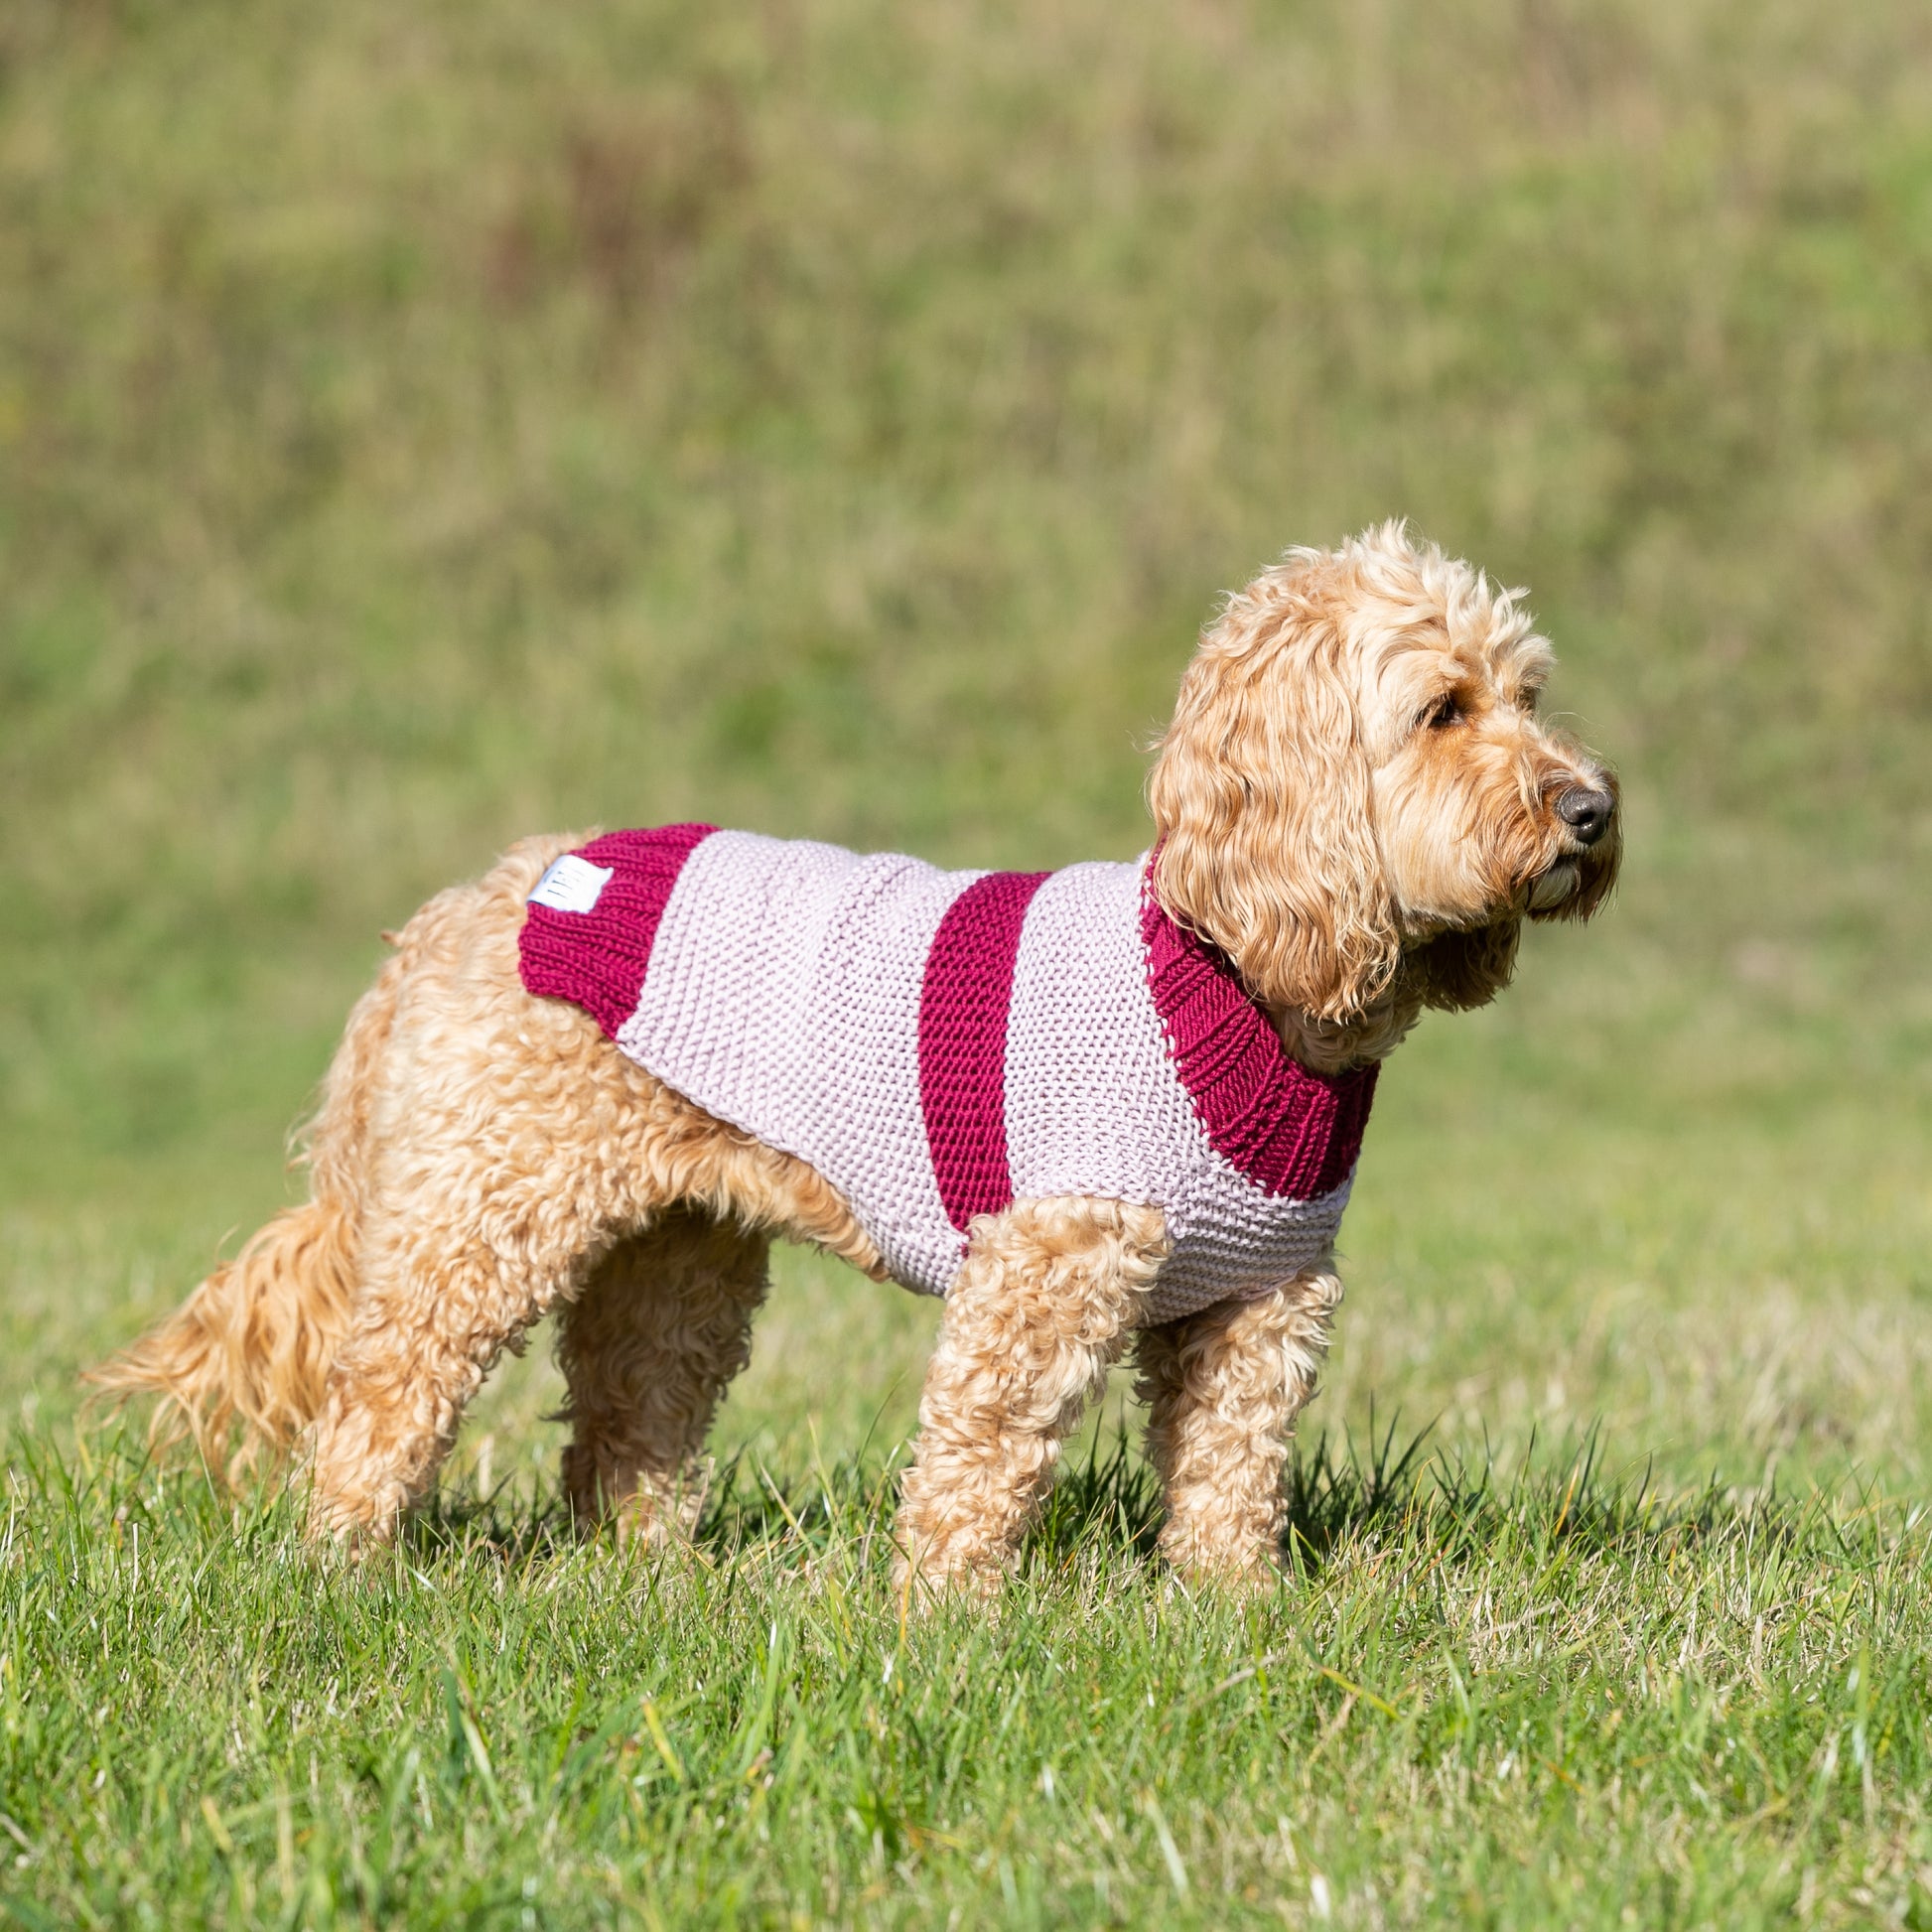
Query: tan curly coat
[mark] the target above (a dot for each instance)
(1355, 801)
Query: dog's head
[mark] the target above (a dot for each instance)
(1356, 783)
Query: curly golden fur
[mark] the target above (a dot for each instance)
(1355, 801)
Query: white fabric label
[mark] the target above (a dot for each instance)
(572, 884)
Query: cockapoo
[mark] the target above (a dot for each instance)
(1118, 1103)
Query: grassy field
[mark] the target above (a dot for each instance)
(422, 426)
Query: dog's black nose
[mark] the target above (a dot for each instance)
(1586, 812)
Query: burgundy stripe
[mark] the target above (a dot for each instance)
(598, 959)
(963, 1004)
(1293, 1133)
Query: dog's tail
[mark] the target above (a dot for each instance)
(253, 1344)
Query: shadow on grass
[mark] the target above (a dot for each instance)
(1344, 1498)
(1350, 1495)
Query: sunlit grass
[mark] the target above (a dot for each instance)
(1524, 1699)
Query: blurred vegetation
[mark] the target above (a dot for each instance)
(422, 424)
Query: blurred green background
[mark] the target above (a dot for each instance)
(420, 425)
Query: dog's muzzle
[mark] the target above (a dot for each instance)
(1551, 889)
(1588, 812)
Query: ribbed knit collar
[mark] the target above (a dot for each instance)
(1293, 1133)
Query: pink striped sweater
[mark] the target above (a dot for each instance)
(940, 1043)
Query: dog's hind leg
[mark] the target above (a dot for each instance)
(648, 1347)
(516, 1148)
(1223, 1388)
(519, 1148)
(1040, 1311)
(438, 1307)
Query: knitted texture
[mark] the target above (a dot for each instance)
(783, 997)
(963, 1004)
(1290, 1130)
(598, 959)
(1103, 1055)
(939, 1044)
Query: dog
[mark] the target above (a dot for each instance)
(1112, 1107)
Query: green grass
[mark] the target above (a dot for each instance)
(1545, 1699)
(422, 426)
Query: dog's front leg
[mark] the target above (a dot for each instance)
(1223, 1388)
(1041, 1309)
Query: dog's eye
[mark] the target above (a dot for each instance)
(1443, 711)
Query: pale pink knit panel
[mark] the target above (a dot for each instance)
(783, 997)
(730, 966)
(1232, 1242)
(1095, 1106)
(1092, 1102)
(868, 1116)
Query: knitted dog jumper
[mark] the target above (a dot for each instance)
(940, 1043)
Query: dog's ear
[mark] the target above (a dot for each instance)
(1459, 971)
(1260, 799)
